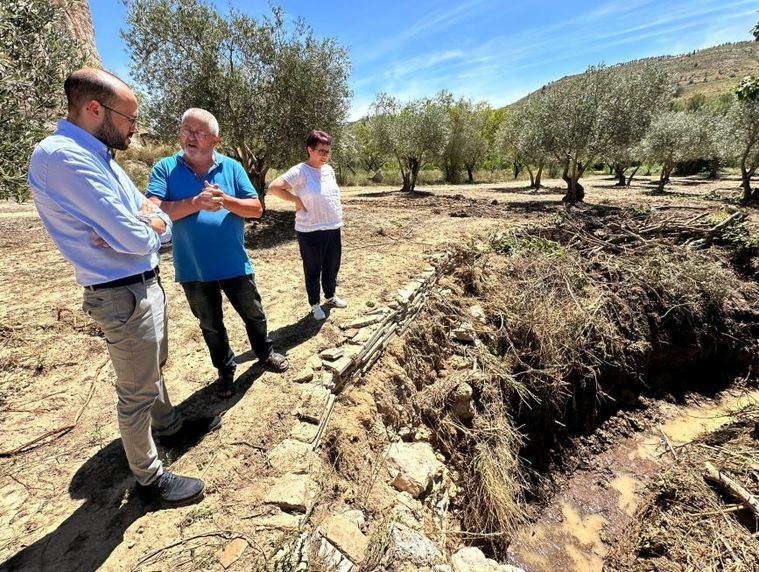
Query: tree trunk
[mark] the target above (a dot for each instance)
(451, 171)
(517, 169)
(406, 181)
(532, 177)
(635, 170)
(470, 171)
(575, 191)
(414, 172)
(746, 183)
(257, 177)
(663, 179)
(405, 173)
(714, 168)
(619, 172)
(537, 184)
(565, 174)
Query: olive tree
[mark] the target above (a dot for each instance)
(479, 133)
(470, 132)
(371, 154)
(634, 98)
(414, 133)
(529, 135)
(36, 55)
(457, 113)
(573, 109)
(675, 136)
(267, 81)
(743, 132)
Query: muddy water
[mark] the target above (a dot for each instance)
(575, 531)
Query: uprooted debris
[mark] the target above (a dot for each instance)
(581, 316)
(689, 521)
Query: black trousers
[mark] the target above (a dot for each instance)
(205, 302)
(320, 251)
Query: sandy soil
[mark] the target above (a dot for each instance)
(66, 505)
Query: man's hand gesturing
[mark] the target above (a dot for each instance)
(209, 199)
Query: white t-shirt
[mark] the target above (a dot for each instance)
(318, 190)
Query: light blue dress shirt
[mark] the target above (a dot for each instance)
(81, 194)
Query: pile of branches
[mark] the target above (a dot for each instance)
(636, 229)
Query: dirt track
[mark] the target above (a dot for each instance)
(65, 505)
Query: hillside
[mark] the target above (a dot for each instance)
(710, 71)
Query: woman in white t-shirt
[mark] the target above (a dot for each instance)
(318, 218)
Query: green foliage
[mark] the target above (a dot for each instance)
(517, 245)
(371, 153)
(268, 82)
(741, 138)
(755, 32)
(748, 89)
(414, 133)
(471, 133)
(36, 55)
(677, 136)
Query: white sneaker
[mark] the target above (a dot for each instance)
(318, 312)
(336, 302)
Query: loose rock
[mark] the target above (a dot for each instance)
(231, 552)
(461, 397)
(331, 353)
(292, 493)
(346, 536)
(293, 456)
(413, 467)
(470, 559)
(304, 431)
(407, 545)
(304, 376)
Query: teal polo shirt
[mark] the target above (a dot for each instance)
(208, 245)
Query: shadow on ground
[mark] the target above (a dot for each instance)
(85, 540)
(274, 229)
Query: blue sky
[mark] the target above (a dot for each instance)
(488, 50)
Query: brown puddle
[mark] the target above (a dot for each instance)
(575, 531)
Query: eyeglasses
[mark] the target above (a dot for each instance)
(132, 120)
(185, 132)
(323, 152)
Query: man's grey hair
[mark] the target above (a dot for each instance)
(204, 116)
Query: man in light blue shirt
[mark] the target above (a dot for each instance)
(111, 235)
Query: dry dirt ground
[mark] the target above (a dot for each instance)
(66, 503)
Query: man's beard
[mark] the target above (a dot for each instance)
(108, 134)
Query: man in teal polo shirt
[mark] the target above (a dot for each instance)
(208, 196)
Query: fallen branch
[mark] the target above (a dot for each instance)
(733, 487)
(669, 445)
(226, 534)
(60, 431)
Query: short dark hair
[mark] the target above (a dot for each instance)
(87, 84)
(315, 137)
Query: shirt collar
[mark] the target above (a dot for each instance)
(85, 139)
(216, 159)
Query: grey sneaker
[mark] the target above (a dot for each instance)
(318, 313)
(173, 489)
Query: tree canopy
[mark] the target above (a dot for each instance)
(268, 82)
(414, 133)
(36, 55)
